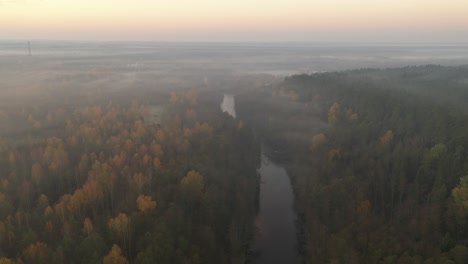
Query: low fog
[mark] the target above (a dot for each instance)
(63, 67)
(128, 151)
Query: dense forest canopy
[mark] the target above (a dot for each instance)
(378, 160)
(169, 179)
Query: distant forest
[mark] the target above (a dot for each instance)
(378, 160)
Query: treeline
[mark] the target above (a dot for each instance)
(381, 175)
(121, 183)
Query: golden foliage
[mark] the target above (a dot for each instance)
(387, 137)
(73, 140)
(156, 149)
(460, 193)
(115, 256)
(139, 181)
(48, 211)
(6, 261)
(351, 115)
(156, 164)
(36, 253)
(5, 184)
(319, 140)
(139, 130)
(42, 202)
(203, 128)
(55, 156)
(145, 203)
(77, 201)
(87, 226)
(194, 180)
(93, 192)
(120, 226)
(146, 160)
(160, 135)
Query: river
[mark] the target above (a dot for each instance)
(229, 105)
(276, 237)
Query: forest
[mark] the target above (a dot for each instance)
(126, 178)
(378, 160)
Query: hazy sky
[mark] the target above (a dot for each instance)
(238, 20)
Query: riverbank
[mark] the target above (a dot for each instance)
(276, 238)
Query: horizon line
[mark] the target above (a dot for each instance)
(323, 42)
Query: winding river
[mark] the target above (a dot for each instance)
(276, 237)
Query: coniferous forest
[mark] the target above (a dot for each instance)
(378, 160)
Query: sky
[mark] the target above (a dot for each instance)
(237, 20)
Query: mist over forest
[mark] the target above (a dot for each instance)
(168, 152)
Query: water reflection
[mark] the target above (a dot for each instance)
(276, 237)
(276, 240)
(228, 105)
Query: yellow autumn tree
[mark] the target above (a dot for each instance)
(94, 194)
(319, 140)
(36, 253)
(156, 163)
(48, 212)
(145, 203)
(42, 202)
(203, 128)
(6, 261)
(387, 137)
(351, 115)
(460, 193)
(193, 180)
(115, 256)
(87, 226)
(146, 161)
(160, 135)
(139, 181)
(192, 187)
(120, 228)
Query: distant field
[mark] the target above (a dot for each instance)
(154, 113)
